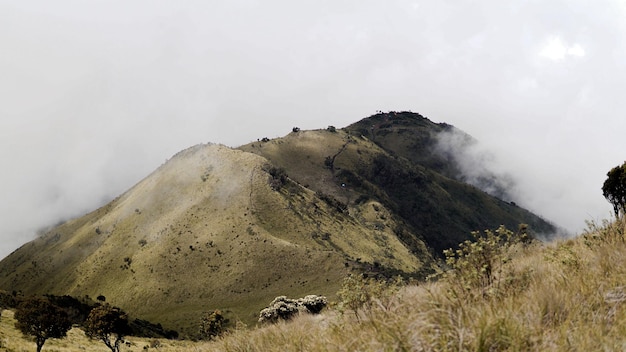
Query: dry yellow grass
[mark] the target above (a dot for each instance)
(564, 296)
(221, 228)
(206, 231)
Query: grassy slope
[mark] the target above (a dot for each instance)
(303, 155)
(454, 207)
(205, 231)
(399, 169)
(562, 296)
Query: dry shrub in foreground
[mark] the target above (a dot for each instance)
(562, 296)
(360, 294)
(283, 308)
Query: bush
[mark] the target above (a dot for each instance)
(332, 202)
(283, 308)
(360, 293)
(329, 163)
(278, 177)
(212, 325)
(76, 309)
(7, 300)
(478, 264)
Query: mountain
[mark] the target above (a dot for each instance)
(222, 228)
(396, 159)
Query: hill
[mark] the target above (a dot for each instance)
(396, 159)
(205, 231)
(216, 227)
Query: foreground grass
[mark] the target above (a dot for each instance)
(565, 296)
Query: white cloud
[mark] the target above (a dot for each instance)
(94, 95)
(556, 49)
(576, 50)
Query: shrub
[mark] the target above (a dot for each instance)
(76, 309)
(359, 293)
(212, 325)
(478, 264)
(607, 232)
(332, 202)
(329, 162)
(331, 129)
(278, 177)
(283, 308)
(7, 300)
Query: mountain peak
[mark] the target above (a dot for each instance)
(230, 229)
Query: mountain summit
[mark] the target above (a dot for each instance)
(222, 228)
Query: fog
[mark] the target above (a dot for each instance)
(94, 95)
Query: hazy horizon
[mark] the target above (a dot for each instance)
(96, 94)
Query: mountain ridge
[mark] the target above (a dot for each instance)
(232, 228)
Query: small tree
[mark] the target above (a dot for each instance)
(107, 324)
(212, 324)
(40, 318)
(614, 189)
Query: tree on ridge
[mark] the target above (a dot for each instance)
(614, 189)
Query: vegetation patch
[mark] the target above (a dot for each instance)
(283, 308)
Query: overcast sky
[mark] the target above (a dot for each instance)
(96, 94)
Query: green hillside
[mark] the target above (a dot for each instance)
(230, 229)
(208, 231)
(392, 158)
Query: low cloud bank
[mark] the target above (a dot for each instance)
(476, 165)
(504, 176)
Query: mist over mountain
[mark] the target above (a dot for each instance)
(474, 165)
(222, 228)
(95, 95)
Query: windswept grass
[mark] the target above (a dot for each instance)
(563, 296)
(568, 295)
